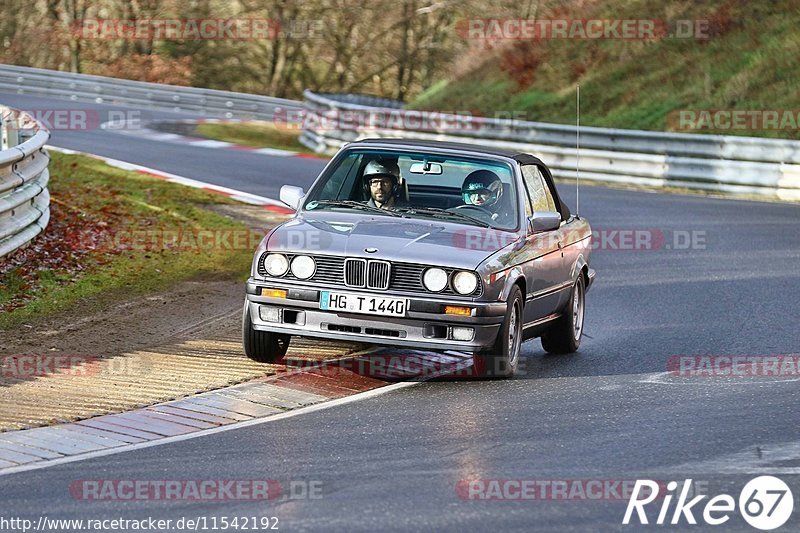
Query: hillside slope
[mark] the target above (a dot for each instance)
(749, 61)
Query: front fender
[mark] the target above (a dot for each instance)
(512, 276)
(577, 266)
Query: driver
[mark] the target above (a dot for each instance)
(483, 188)
(382, 183)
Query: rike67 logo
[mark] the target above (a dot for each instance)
(765, 503)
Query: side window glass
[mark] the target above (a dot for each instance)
(551, 203)
(537, 189)
(336, 184)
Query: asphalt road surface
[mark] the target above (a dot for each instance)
(248, 172)
(718, 278)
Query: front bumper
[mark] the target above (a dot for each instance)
(424, 326)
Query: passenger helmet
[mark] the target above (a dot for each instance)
(482, 188)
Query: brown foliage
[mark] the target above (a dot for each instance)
(520, 63)
(146, 67)
(67, 249)
(721, 22)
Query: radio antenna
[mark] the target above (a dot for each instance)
(578, 153)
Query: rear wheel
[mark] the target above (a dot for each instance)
(262, 346)
(502, 359)
(565, 335)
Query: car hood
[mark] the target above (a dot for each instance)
(427, 242)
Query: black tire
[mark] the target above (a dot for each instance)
(262, 346)
(502, 359)
(565, 335)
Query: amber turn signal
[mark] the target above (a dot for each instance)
(273, 293)
(460, 311)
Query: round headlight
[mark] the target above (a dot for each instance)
(276, 265)
(435, 279)
(303, 267)
(465, 282)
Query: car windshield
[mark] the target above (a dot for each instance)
(464, 190)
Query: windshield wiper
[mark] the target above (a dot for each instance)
(352, 204)
(438, 212)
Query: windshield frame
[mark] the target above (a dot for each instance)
(335, 162)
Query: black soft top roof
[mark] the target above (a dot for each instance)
(447, 145)
(522, 158)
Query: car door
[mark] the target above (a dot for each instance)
(544, 268)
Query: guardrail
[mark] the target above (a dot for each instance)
(731, 164)
(24, 198)
(103, 90)
(752, 165)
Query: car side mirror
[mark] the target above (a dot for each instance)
(544, 221)
(291, 196)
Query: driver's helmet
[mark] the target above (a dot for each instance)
(381, 167)
(482, 187)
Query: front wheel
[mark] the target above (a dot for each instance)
(565, 335)
(502, 359)
(262, 346)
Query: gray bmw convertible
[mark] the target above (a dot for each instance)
(428, 245)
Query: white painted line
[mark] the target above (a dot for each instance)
(66, 151)
(663, 378)
(202, 433)
(210, 144)
(241, 196)
(246, 200)
(156, 136)
(274, 151)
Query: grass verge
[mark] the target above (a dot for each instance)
(115, 234)
(741, 59)
(255, 134)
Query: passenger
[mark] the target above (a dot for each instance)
(483, 188)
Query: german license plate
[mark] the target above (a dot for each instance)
(359, 303)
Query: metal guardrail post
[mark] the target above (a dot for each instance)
(24, 198)
(11, 130)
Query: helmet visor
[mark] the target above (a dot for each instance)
(477, 196)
